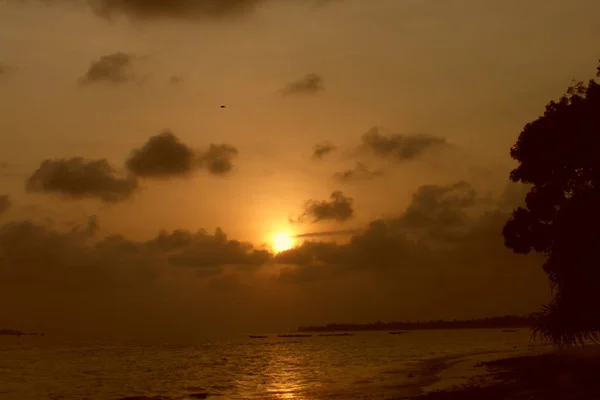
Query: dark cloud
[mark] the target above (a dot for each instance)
(191, 10)
(113, 68)
(445, 250)
(162, 156)
(5, 203)
(440, 210)
(307, 274)
(443, 257)
(359, 173)
(174, 9)
(4, 70)
(177, 249)
(175, 80)
(343, 232)
(79, 178)
(323, 149)
(308, 84)
(437, 216)
(338, 208)
(211, 253)
(218, 159)
(165, 156)
(399, 147)
(69, 280)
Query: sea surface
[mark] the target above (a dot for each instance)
(368, 365)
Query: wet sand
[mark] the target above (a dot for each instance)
(572, 374)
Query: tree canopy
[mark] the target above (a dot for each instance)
(559, 155)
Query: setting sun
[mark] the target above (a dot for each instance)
(282, 242)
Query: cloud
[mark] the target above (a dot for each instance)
(190, 10)
(342, 232)
(444, 253)
(175, 80)
(115, 68)
(162, 156)
(439, 210)
(208, 252)
(218, 159)
(73, 281)
(308, 84)
(399, 147)
(438, 216)
(359, 173)
(339, 208)
(79, 178)
(5, 204)
(5, 70)
(443, 257)
(174, 9)
(323, 149)
(165, 156)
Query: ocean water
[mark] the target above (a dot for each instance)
(369, 365)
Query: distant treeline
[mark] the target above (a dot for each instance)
(507, 321)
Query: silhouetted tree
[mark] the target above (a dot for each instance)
(559, 155)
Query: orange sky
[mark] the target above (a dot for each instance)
(442, 87)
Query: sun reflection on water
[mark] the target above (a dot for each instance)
(279, 374)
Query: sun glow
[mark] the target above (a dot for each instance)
(282, 241)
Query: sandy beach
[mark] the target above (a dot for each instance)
(549, 375)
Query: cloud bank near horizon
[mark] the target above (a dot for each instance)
(443, 256)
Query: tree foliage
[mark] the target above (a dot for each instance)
(559, 155)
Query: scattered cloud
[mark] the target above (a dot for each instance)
(209, 253)
(165, 156)
(440, 210)
(5, 203)
(5, 69)
(174, 9)
(175, 80)
(443, 256)
(162, 156)
(359, 173)
(338, 208)
(218, 159)
(308, 84)
(113, 68)
(190, 10)
(342, 232)
(445, 250)
(323, 149)
(66, 280)
(438, 216)
(79, 178)
(399, 147)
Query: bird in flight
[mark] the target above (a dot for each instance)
(222, 106)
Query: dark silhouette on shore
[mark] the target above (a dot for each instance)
(547, 377)
(507, 321)
(559, 155)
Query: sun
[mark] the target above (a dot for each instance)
(282, 241)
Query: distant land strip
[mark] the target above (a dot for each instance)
(507, 321)
(14, 332)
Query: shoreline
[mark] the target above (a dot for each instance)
(546, 374)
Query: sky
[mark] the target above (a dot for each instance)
(195, 168)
